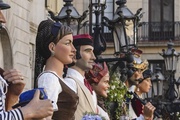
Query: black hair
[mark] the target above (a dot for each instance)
(147, 74)
(78, 56)
(48, 31)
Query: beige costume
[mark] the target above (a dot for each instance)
(87, 101)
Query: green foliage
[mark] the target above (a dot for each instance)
(117, 93)
(178, 115)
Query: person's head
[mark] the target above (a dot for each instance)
(3, 6)
(98, 77)
(53, 41)
(135, 77)
(84, 51)
(134, 74)
(145, 84)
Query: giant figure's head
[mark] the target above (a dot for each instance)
(136, 68)
(84, 51)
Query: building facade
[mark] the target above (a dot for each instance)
(18, 35)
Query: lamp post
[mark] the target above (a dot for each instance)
(178, 88)
(121, 25)
(68, 15)
(166, 101)
(171, 59)
(157, 82)
(97, 7)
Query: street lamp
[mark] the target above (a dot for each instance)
(157, 82)
(121, 25)
(68, 15)
(166, 101)
(171, 59)
(178, 88)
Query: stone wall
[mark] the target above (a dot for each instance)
(22, 21)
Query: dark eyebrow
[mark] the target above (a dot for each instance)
(71, 41)
(88, 49)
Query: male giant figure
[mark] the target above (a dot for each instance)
(76, 75)
(134, 77)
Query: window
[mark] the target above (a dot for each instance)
(161, 14)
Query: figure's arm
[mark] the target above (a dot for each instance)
(16, 85)
(35, 109)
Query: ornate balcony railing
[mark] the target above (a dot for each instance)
(152, 31)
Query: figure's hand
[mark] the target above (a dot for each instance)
(15, 80)
(148, 111)
(37, 109)
(16, 85)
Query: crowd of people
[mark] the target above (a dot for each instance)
(65, 67)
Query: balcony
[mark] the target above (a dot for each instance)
(152, 33)
(156, 31)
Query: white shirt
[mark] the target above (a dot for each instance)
(72, 83)
(49, 80)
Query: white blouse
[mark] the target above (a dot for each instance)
(50, 82)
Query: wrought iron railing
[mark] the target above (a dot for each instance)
(151, 31)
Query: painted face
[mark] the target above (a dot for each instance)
(2, 18)
(102, 87)
(145, 85)
(64, 50)
(137, 75)
(86, 61)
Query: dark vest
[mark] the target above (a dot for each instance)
(67, 103)
(137, 106)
